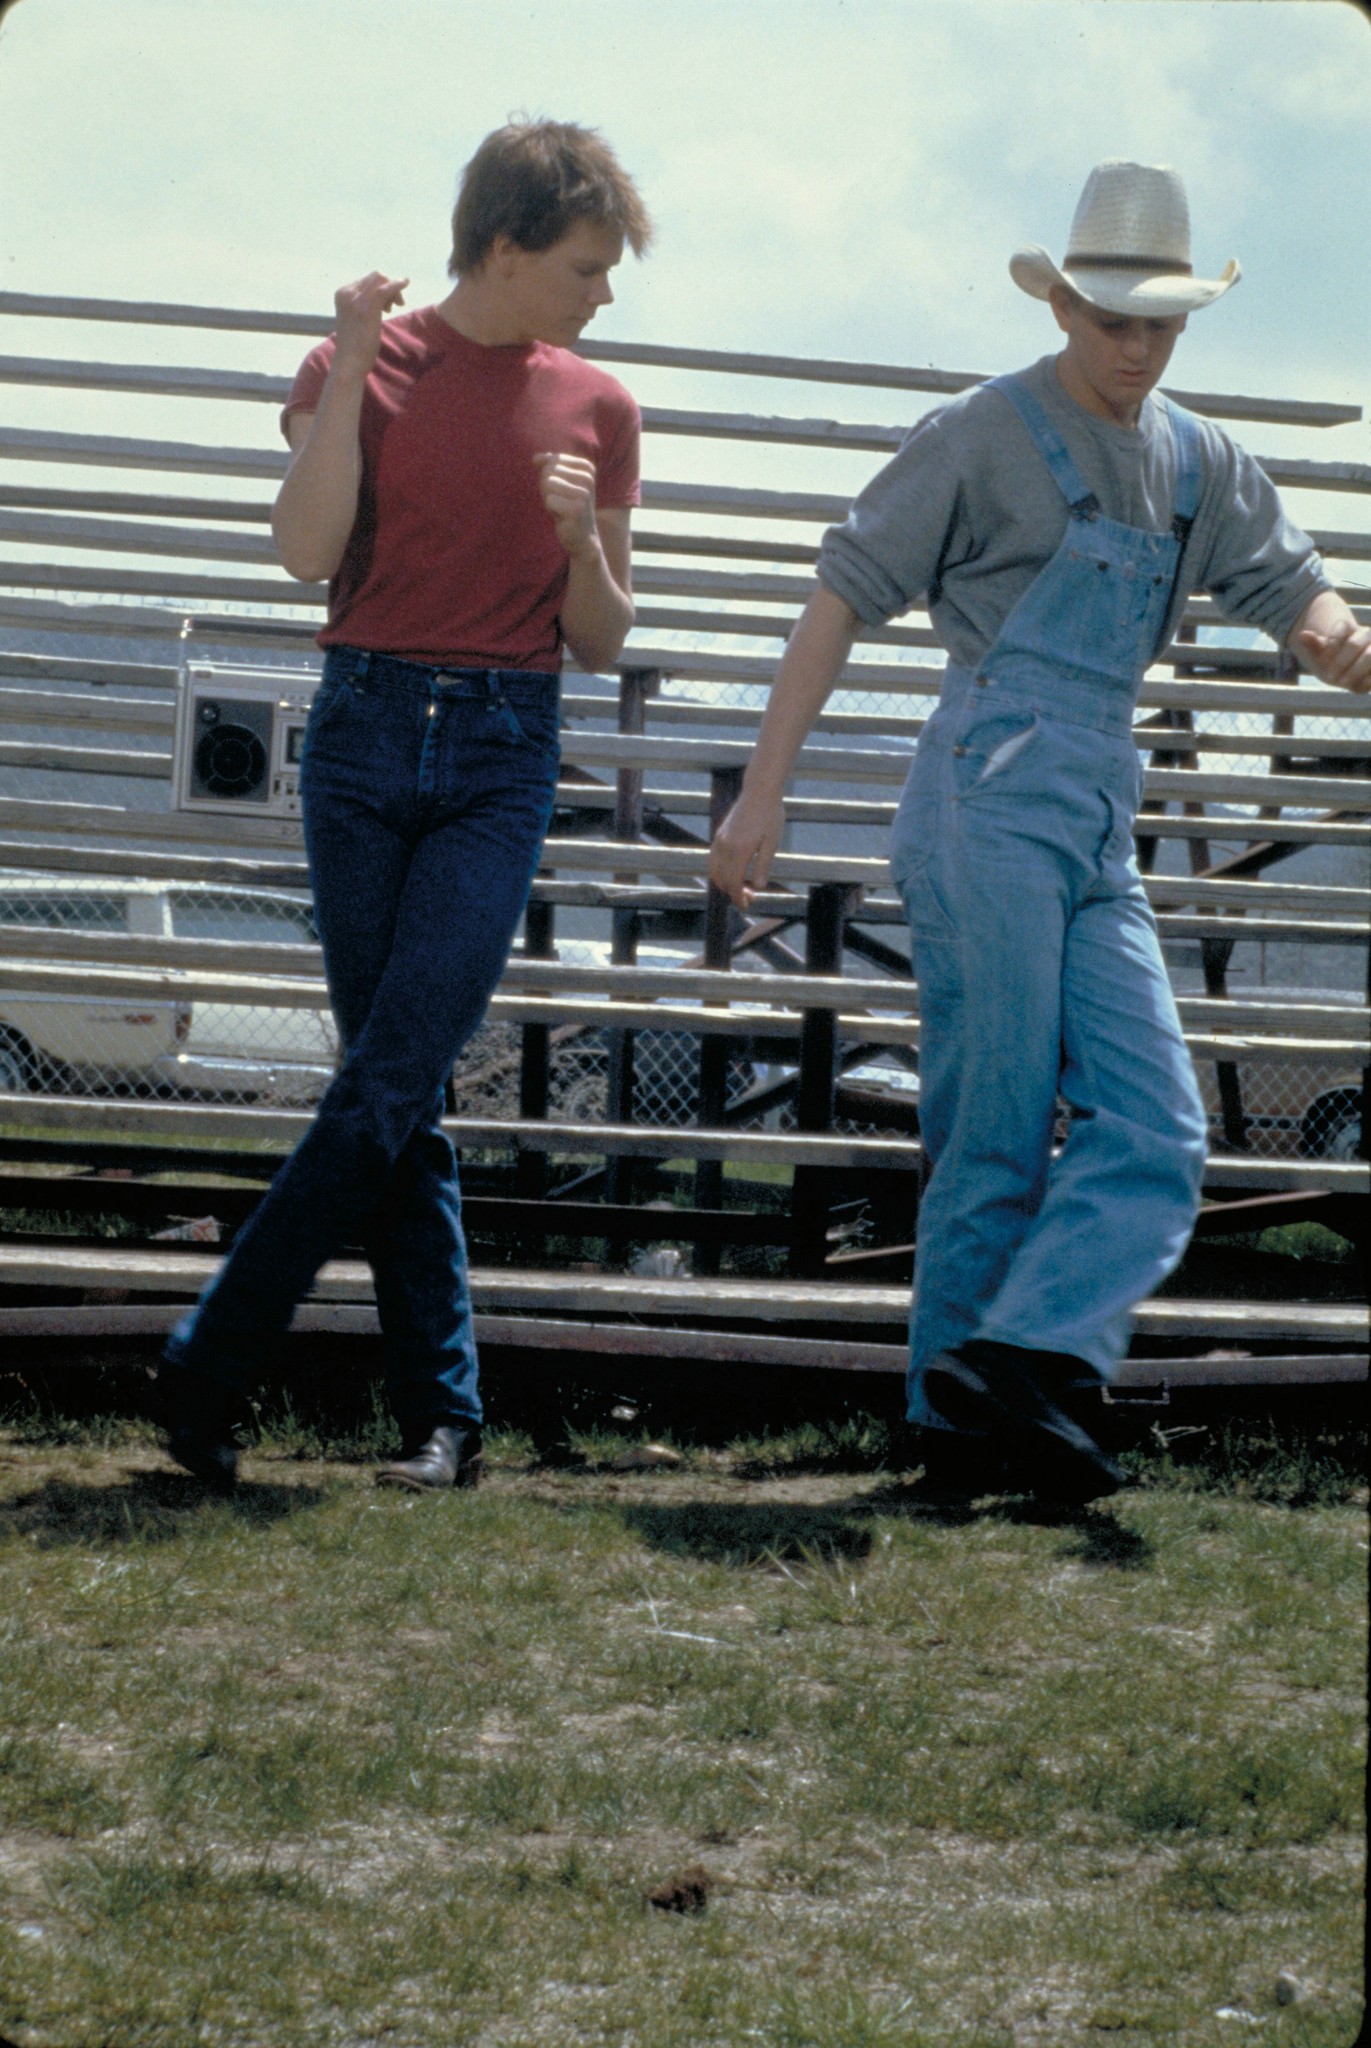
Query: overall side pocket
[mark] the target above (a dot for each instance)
(989, 747)
(916, 817)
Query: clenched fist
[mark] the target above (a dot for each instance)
(361, 308)
(567, 484)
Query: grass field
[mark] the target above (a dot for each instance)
(322, 1765)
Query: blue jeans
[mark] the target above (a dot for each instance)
(426, 796)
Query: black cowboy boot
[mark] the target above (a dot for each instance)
(197, 1415)
(1013, 1395)
(448, 1457)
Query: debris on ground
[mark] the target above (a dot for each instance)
(687, 1893)
(663, 1262)
(189, 1230)
(645, 1458)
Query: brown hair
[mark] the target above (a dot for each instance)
(533, 181)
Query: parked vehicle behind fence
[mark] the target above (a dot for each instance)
(155, 1046)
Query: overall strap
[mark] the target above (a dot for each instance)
(1080, 498)
(1185, 434)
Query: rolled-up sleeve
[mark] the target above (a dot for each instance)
(885, 555)
(310, 378)
(1259, 567)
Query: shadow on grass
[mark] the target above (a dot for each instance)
(1096, 1535)
(747, 1533)
(146, 1507)
(1100, 1540)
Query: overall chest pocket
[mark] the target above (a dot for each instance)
(1116, 602)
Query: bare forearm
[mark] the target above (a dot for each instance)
(745, 844)
(317, 504)
(811, 664)
(596, 613)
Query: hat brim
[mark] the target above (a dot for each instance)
(1145, 296)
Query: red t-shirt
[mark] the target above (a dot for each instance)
(453, 558)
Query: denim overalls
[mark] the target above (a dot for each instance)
(426, 793)
(1037, 960)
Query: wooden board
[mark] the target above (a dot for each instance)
(1309, 699)
(93, 1123)
(524, 975)
(253, 387)
(601, 1341)
(809, 369)
(160, 1270)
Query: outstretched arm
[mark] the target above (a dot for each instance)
(746, 842)
(1327, 638)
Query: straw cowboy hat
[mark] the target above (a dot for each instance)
(1129, 250)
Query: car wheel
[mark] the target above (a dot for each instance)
(1331, 1127)
(583, 1100)
(16, 1069)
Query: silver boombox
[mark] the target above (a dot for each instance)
(239, 738)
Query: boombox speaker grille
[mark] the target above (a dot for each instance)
(230, 761)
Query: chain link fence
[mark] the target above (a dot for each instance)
(284, 1053)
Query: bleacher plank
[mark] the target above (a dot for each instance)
(700, 757)
(273, 1132)
(184, 1273)
(50, 705)
(1165, 891)
(166, 380)
(303, 961)
(809, 369)
(694, 664)
(733, 1347)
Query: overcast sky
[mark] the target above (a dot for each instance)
(829, 177)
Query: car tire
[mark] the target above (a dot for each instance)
(1331, 1126)
(16, 1068)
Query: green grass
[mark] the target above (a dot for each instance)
(68, 1223)
(322, 1765)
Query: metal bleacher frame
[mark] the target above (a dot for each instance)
(631, 852)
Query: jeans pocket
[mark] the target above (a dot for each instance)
(329, 704)
(532, 718)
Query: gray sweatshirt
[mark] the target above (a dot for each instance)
(965, 516)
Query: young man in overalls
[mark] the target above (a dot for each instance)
(1054, 523)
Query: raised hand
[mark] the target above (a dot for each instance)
(567, 484)
(361, 308)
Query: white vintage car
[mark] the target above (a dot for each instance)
(167, 1047)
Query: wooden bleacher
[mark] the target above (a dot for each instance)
(810, 994)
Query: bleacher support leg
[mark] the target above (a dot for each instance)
(530, 1171)
(830, 906)
(636, 685)
(724, 785)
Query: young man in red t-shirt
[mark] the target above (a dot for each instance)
(464, 482)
